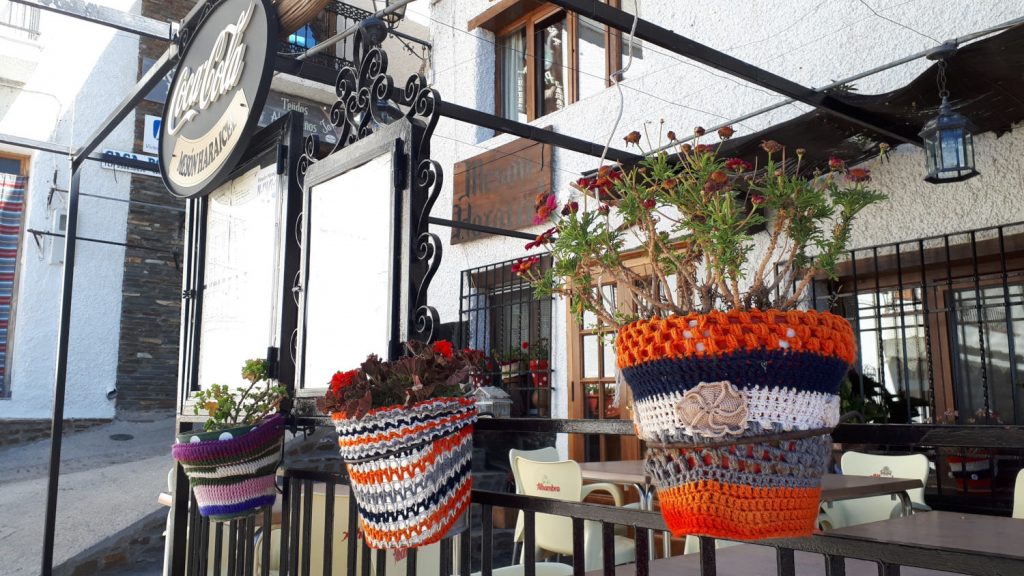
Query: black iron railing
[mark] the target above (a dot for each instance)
(336, 17)
(304, 540)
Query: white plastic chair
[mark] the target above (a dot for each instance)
(1018, 496)
(692, 544)
(550, 454)
(564, 481)
(875, 508)
(543, 569)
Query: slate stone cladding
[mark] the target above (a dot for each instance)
(150, 311)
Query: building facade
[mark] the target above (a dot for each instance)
(549, 68)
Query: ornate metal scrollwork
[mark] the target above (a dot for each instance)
(366, 101)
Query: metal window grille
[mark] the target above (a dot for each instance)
(23, 19)
(499, 315)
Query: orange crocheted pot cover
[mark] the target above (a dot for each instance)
(732, 379)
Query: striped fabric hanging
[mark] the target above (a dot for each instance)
(12, 202)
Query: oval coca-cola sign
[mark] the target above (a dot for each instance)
(216, 97)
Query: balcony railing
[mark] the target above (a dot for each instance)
(336, 17)
(304, 539)
(19, 20)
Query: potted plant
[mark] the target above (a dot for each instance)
(232, 465)
(973, 468)
(405, 432)
(735, 389)
(539, 363)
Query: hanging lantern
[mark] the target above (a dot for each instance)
(392, 18)
(948, 141)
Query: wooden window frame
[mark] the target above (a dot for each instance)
(532, 21)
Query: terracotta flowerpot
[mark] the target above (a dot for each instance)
(539, 373)
(701, 384)
(232, 472)
(410, 469)
(294, 14)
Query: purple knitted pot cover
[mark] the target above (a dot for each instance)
(233, 476)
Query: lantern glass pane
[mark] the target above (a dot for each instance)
(952, 148)
(969, 149)
(930, 151)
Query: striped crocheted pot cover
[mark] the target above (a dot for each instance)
(717, 378)
(409, 469)
(233, 473)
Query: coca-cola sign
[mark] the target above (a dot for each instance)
(215, 99)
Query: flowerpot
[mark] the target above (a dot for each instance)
(539, 373)
(294, 14)
(409, 469)
(736, 408)
(232, 472)
(592, 403)
(972, 473)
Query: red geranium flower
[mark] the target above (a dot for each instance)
(342, 380)
(738, 165)
(444, 348)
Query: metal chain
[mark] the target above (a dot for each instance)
(941, 80)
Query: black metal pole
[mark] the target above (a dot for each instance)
(481, 228)
(60, 379)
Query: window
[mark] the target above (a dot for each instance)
(948, 341)
(500, 316)
(547, 59)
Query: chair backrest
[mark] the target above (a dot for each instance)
(546, 454)
(559, 481)
(873, 509)
(1018, 496)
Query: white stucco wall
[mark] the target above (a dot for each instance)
(83, 70)
(807, 41)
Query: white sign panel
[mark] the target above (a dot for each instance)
(151, 138)
(153, 160)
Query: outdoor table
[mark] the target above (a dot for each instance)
(754, 560)
(950, 533)
(834, 487)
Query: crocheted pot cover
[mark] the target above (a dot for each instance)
(718, 378)
(235, 475)
(409, 469)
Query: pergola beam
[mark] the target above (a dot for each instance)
(683, 46)
(106, 16)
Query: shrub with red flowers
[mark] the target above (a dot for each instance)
(692, 215)
(436, 370)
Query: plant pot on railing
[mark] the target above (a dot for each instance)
(406, 436)
(294, 14)
(736, 408)
(972, 472)
(410, 469)
(232, 472)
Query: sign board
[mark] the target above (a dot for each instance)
(317, 116)
(221, 83)
(153, 160)
(151, 137)
(499, 187)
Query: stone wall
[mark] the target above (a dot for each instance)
(20, 430)
(150, 313)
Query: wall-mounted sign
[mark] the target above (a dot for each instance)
(151, 137)
(317, 116)
(219, 88)
(498, 188)
(113, 154)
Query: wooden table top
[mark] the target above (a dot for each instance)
(833, 486)
(753, 560)
(950, 531)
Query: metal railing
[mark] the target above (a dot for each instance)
(240, 546)
(335, 17)
(21, 19)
